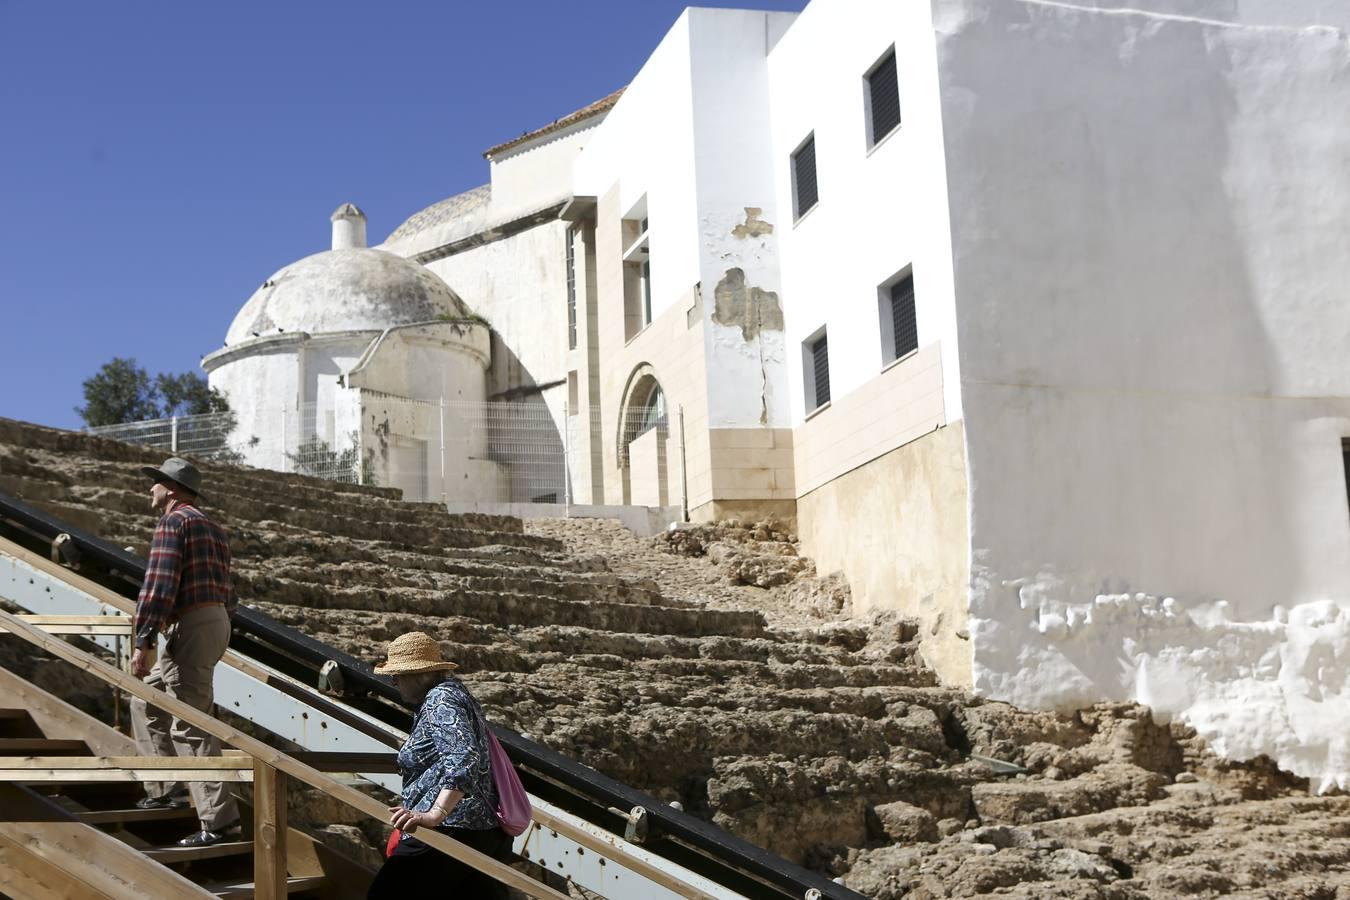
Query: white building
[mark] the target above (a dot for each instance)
(1030, 314)
(323, 360)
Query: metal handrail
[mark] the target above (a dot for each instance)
(689, 841)
(262, 753)
(327, 708)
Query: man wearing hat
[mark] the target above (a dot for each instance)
(187, 597)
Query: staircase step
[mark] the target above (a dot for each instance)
(25, 746)
(243, 890)
(173, 854)
(133, 814)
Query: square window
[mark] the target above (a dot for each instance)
(899, 322)
(804, 189)
(882, 98)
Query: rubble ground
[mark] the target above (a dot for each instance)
(714, 667)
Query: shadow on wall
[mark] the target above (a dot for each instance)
(528, 438)
(1112, 346)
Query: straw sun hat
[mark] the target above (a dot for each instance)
(414, 652)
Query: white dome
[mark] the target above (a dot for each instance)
(345, 290)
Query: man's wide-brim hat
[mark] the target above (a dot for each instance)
(179, 471)
(414, 652)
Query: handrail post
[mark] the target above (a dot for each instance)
(269, 832)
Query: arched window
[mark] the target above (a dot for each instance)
(653, 411)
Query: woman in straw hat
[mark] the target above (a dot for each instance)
(447, 779)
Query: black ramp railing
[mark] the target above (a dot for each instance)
(684, 839)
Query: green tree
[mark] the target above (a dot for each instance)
(119, 392)
(188, 395)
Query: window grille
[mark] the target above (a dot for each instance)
(804, 188)
(904, 324)
(883, 98)
(820, 371)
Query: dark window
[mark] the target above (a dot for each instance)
(883, 98)
(571, 291)
(904, 326)
(820, 371)
(804, 177)
(1345, 455)
(647, 293)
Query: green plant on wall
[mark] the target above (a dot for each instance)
(315, 456)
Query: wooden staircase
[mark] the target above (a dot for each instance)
(86, 838)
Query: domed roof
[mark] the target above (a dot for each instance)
(356, 289)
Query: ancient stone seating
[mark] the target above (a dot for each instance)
(832, 745)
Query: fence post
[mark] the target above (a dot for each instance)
(684, 471)
(567, 458)
(442, 410)
(269, 832)
(173, 434)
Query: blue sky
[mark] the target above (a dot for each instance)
(159, 160)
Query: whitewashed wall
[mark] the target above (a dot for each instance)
(745, 353)
(537, 173)
(1150, 221)
(518, 283)
(258, 384)
(879, 211)
(1335, 13)
(646, 147)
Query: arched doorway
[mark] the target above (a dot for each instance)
(643, 441)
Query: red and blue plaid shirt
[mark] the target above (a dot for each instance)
(189, 567)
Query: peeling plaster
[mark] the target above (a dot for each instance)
(752, 309)
(753, 226)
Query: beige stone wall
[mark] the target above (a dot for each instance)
(648, 476)
(899, 405)
(672, 349)
(897, 529)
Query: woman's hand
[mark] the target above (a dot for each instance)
(408, 821)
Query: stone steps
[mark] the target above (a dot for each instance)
(239, 494)
(119, 524)
(787, 737)
(465, 575)
(504, 608)
(94, 450)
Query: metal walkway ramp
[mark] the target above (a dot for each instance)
(599, 834)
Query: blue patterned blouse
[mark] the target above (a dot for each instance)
(448, 749)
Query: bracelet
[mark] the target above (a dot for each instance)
(444, 811)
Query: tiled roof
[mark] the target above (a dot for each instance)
(443, 211)
(604, 104)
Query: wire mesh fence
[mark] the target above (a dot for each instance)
(437, 451)
(207, 437)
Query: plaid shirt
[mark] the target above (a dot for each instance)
(189, 567)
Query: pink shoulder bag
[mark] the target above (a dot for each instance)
(513, 804)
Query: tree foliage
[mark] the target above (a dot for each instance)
(188, 395)
(121, 391)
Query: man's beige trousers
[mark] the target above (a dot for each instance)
(186, 671)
